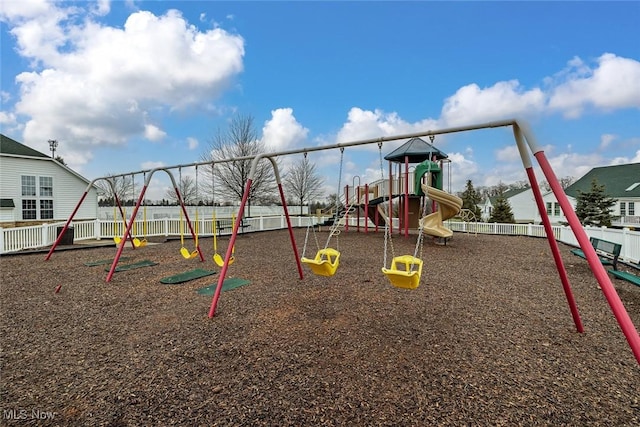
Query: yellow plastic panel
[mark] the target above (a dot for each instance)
(325, 263)
(139, 243)
(401, 274)
(188, 255)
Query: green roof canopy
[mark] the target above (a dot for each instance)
(417, 150)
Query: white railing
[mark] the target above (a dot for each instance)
(630, 240)
(41, 236)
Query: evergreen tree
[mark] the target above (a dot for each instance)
(470, 199)
(501, 211)
(594, 206)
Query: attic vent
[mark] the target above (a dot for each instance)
(632, 186)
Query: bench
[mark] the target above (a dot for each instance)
(227, 224)
(629, 277)
(608, 252)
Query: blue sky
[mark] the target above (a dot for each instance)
(130, 85)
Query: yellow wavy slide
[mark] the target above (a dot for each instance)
(448, 207)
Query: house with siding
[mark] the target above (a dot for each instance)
(34, 188)
(522, 202)
(621, 182)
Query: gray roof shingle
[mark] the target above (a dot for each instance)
(616, 180)
(11, 146)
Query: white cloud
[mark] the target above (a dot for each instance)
(98, 85)
(193, 143)
(153, 133)
(7, 118)
(624, 160)
(365, 124)
(613, 84)
(463, 168)
(151, 165)
(574, 164)
(283, 131)
(102, 8)
(24, 9)
(606, 140)
(507, 99)
(509, 153)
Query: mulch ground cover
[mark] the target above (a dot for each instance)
(487, 339)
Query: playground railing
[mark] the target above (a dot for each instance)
(41, 236)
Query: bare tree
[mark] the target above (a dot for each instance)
(492, 191)
(229, 178)
(124, 189)
(565, 182)
(303, 183)
(188, 191)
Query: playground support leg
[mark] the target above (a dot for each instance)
(227, 257)
(406, 197)
(562, 272)
(291, 237)
(127, 232)
(66, 225)
(366, 209)
(618, 309)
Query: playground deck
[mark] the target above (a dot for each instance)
(487, 339)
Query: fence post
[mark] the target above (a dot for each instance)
(626, 243)
(97, 229)
(45, 235)
(2, 249)
(166, 227)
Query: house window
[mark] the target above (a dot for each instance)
(623, 209)
(549, 207)
(556, 209)
(29, 209)
(46, 209)
(632, 208)
(28, 185)
(37, 200)
(46, 186)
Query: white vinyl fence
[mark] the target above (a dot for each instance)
(42, 236)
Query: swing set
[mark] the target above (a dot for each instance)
(526, 144)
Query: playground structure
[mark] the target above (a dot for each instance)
(525, 142)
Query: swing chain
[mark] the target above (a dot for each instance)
(381, 166)
(384, 258)
(334, 231)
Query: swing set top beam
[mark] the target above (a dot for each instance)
(494, 124)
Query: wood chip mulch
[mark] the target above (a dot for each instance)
(487, 339)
